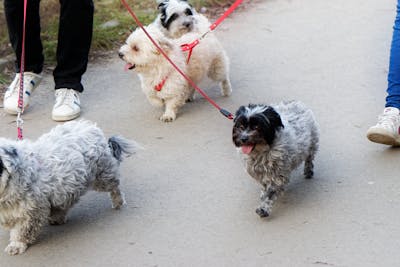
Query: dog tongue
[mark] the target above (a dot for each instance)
(128, 66)
(247, 149)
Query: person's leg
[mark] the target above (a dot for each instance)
(387, 130)
(393, 98)
(14, 13)
(74, 39)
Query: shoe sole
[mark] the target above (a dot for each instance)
(65, 118)
(382, 137)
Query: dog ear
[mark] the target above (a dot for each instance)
(273, 117)
(9, 159)
(165, 45)
(239, 112)
(274, 123)
(161, 6)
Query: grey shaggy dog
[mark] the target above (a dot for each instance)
(274, 140)
(42, 180)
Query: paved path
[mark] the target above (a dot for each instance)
(190, 203)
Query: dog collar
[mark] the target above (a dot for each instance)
(159, 86)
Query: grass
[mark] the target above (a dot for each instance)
(3, 79)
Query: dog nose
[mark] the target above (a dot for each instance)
(187, 24)
(120, 54)
(244, 139)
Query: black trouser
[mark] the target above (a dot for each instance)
(74, 38)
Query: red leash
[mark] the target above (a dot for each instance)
(226, 14)
(223, 111)
(189, 47)
(21, 79)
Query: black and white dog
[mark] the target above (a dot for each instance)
(178, 17)
(274, 140)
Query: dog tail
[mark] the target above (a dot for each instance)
(122, 147)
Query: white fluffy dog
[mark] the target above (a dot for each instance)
(42, 180)
(178, 17)
(161, 83)
(274, 140)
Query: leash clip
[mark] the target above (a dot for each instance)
(19, 120)
(204, 34)
(226, 113)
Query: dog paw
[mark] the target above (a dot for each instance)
(15, 248)
(117, 206)
(57, 221)
(262, 212)
(308, 174)
(226, 92)
(118, 201)
(167, 118)
(226, 89)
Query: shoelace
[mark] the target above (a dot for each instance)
(66, 98)
(389, 121)
(14, 88)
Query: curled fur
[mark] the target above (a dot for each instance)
(273, 141)
(208, 62)
(42, 180)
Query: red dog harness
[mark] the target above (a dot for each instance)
(159, 86)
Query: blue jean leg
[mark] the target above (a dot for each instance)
(393, 91)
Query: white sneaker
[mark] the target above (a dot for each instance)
(10, 102)
(387, 130)
(67, 106)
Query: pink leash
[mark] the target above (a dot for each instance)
(21, 80)
(224, 112)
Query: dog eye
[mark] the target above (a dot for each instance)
(188, 12)
(135, 48)
(241, 127)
